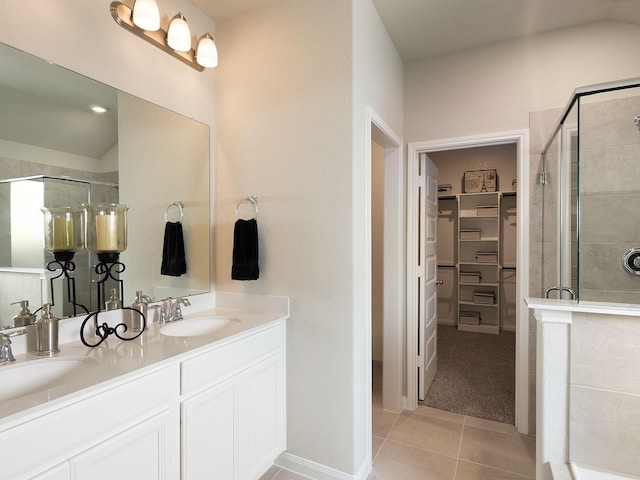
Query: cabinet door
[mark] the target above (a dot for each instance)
(141, 452)
(264, 414)
(210, 433)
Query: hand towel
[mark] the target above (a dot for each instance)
(174, 263)
(245, 250)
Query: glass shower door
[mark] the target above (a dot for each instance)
(557, 185)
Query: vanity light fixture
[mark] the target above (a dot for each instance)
(176, 41)
(146, 15)
(178, 34)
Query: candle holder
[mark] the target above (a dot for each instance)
(106, 236)
(63, 237)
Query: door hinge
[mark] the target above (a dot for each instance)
(543, 178)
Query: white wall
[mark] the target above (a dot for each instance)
(288, 115)
(284, 112)
(493, 89)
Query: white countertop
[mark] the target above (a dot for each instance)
(117, 360)
(605, 308)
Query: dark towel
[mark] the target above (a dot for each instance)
(245, 250)
(173, 259)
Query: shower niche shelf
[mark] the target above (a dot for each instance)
(478, 240)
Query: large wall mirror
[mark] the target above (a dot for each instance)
(55, 151)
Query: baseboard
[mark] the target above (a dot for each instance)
(317, 471)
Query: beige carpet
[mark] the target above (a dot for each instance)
(476, 375)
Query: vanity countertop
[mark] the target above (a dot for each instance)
(115, 360)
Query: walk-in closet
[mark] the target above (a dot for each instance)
(476, 297)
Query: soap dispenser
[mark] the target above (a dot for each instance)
(46, 333)
(114, 303)
(140, 304)
(25, 317)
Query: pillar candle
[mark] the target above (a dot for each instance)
(63, 233)
(107, 233)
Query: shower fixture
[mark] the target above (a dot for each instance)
(636, 121)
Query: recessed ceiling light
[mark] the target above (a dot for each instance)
(98, 108)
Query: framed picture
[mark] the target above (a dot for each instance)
(476, 181)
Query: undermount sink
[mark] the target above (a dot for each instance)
(194, 327)
(24, 378)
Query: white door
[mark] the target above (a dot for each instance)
(427, 271)
(422, 323)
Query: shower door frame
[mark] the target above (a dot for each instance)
(521, 139)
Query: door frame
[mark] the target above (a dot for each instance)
(521, 139)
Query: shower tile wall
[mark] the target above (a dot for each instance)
(605, 392)
(610, 196)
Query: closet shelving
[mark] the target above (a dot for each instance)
(479, 233)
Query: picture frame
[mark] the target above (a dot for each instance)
(477, 181)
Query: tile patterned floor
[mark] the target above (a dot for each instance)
(431, 444)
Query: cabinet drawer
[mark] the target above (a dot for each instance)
(226, 360)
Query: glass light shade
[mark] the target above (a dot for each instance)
(207, 53)
(179, 35)
(106, 227)
(146, 15)
(63, 229)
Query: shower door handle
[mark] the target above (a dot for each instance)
(560, 289)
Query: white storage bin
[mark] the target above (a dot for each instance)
(485, 298)
(487, 210)
(487, 257)
(469, 318)
(470, 234)
(470, 277)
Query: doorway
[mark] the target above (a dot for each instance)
(520, 140)
(388, 266)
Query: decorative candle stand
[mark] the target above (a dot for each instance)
(106, 236)
(109, 268)
(63, 237)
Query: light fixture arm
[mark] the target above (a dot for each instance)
(121, 13)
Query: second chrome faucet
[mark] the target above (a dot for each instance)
(171, 309)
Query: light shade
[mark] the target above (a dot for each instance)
(207, 53)
(146, 15)
(179, 35)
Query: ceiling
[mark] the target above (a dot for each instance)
(424, 28)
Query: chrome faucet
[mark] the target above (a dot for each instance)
(6, 355)
(175, 312)
(171, 309)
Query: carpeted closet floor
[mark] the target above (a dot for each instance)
(476, 375)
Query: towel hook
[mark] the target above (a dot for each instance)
(180, 205)
(254, 201)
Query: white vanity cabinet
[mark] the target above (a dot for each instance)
(131, 427)
(233, 408)
(215, 411)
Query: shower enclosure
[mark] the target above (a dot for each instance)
(22, 239)
(585, 215)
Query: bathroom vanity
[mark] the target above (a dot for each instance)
(204, 396)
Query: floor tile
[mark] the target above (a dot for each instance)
(473, 471)
(287, 475)
(511, 453)
(490, 425)
(429, 429)
(403, 462)
(376, 444)
(271, 473)
(383, 421)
